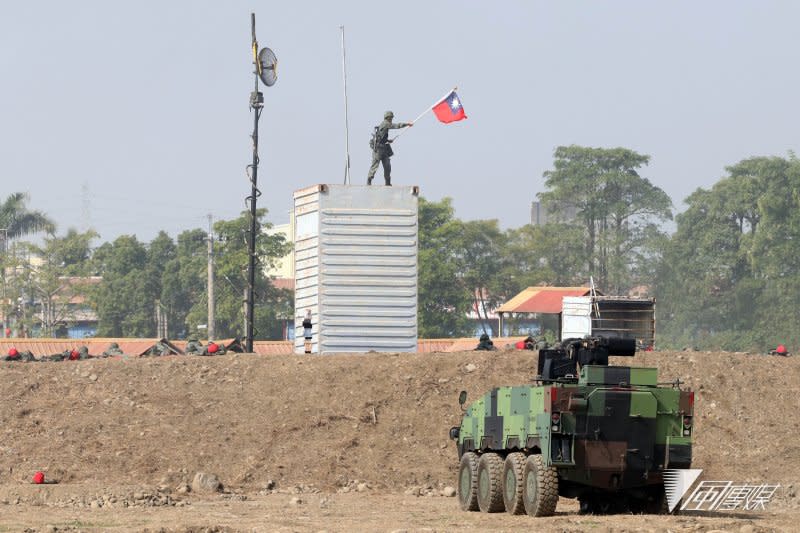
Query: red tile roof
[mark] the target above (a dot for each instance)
(135, 347)
(541, 299)
(96, 346)
(283, 283)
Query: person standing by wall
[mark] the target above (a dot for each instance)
(307, 330)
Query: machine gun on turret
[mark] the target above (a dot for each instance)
(564, 361)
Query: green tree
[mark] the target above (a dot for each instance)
(547, 254)
(58, 277)
(230, 259)
(730, 276)
(619, 210)
(125, 298)
(444, 298)
(478, 251)
(183, 282)
(17, 220)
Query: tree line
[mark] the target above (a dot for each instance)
(724, 271)
(126, 279)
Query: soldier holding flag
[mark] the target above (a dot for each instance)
(447, 109)
(381, 148)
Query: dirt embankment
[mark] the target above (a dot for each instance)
(324, 422)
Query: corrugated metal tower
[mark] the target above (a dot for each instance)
(356, 267)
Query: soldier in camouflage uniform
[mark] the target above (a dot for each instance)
(113, 349)
(158, 349)
(193, 347)
(69, 355)
(65, 355)
(213, 349)
(23, 356)
(381, 148)
(485, 343)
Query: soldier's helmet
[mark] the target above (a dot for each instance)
(113, 346)
(388, 115)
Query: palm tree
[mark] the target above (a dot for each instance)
(18, 220)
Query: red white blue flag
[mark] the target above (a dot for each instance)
(449, 109)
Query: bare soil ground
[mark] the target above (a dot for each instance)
(336, 443)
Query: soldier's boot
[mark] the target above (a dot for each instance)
(369, 181)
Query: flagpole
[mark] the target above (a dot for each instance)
(427, 110)
(346, 125)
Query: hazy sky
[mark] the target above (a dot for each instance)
(136, 113)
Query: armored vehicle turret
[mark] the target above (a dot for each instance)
(602, 434)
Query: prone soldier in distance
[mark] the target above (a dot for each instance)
(113, 349)
(381, 147)
(780, 350)
(485, 343)
(16, 355)
(213, 349)
(158, 349)
(65, 355)
(193, 347)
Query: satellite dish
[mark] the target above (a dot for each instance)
(268, 67)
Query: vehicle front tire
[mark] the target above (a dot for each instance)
(468, 482)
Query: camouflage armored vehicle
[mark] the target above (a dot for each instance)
(601, 434)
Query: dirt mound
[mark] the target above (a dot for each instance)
(342, 443)
(338, 421)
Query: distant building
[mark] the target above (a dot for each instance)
(284, 267)
(282, 274)
(68, 313)
(540, 214)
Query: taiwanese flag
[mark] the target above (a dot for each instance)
(449, 109)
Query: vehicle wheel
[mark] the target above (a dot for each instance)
(468, 482)
(513, 471)
(540, 489)
(490, 483)
(657, 504)
(605, 506)
(586, 505)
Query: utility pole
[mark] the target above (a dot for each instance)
(244, 310)
(211, 331)
(266, 70)
(157, 309)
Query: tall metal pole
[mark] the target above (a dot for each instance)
(346, 124)
(256, 104)
(211, 318)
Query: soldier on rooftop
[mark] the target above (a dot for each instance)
(381, 147)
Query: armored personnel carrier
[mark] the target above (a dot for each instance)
(602, 434)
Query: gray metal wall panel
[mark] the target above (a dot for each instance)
(306, 263)
(365, 284)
